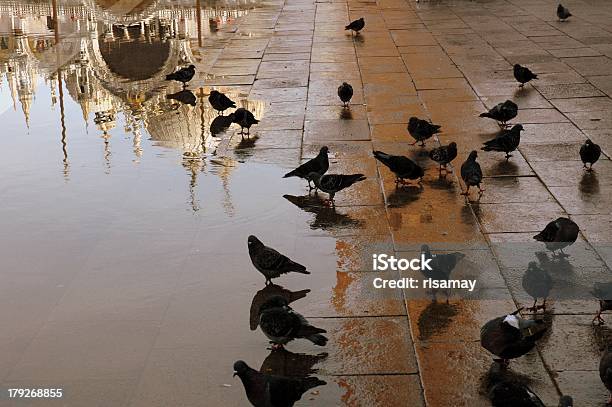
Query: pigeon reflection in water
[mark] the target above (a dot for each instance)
(508, 389)
(184, 96)
(435, 318)
(220, 124)
(326, 217)
(269, 291)
(404, 195)
(286, 363)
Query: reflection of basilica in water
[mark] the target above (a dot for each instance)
(112, 57)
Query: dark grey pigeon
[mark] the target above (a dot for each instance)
(262, 296)
(603, 292)
(605, 371)
(506, 141)
(183, 75)
(443, 155)
(523, 75)
(402, 167)
(589, 154)
(510, 336)
(566, 401)
(356, 25)
(345, 93)
(558, 234)
(421, 130)
(184, 96)
(537, 283)
(333, 183)
(442, 265)
(502, 112)
(244, 119)
(265, 390)
(319, 165)
(219, 101)
(563, 13)
(271, 263)
(281, 324)
(471, 173)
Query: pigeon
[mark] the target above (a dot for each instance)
(605, 371)
(558, 234)
(271, 263)
(537, 283)
(589, 154)
(333, 183)
(441, 264)
(262, 296)
(220, 124)
(566, 401)
(184, 96)
(443, 155)
(220, 102)
(502, 112)
(510, 336)
(421, 130)
(183, 75)
(244, 118)
(603, 292)
(563, 13)
(402, 167)
(506, 141)
(265, 390)
(523, 75)
(356, 25)
(281, 324)
(471, 173)
(319, 165)
(345, 93)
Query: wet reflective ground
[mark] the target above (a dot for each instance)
(127, 201)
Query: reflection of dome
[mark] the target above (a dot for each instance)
(135, 60)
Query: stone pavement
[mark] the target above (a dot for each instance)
(447, 61)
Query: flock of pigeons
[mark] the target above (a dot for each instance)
(507, 337)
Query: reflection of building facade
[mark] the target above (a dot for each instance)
(111, 61)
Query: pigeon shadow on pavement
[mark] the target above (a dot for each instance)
(435, 318)
(326, 217)
(282, 362)
(269, 291)
(404, 195)
(589, 183)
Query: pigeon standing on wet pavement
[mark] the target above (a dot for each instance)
(271, 263)
(563, 13)
(589, 154)
(402, 167)
(509, 393)
(502, 112)
(345, 93)
(220, 102)
(523, 75)
(603, 292)
(421, 130)
(281, 324)
(605, 371)
(183, 75)
(271, 290)
(356, 25)
(471, 173)
(244, 118)
(333, 183)
(537, 283)
(506, 141)
(265, 390)
(184, 96)
(510, 336)
(443, 155)
(558, 234)
(319, 165)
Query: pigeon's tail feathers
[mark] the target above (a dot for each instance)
(346, 27)
(486, 114)
(298, 268)
(291, 174)
(171, 76)
(296, 295)
(356, 178)
(317, 339)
